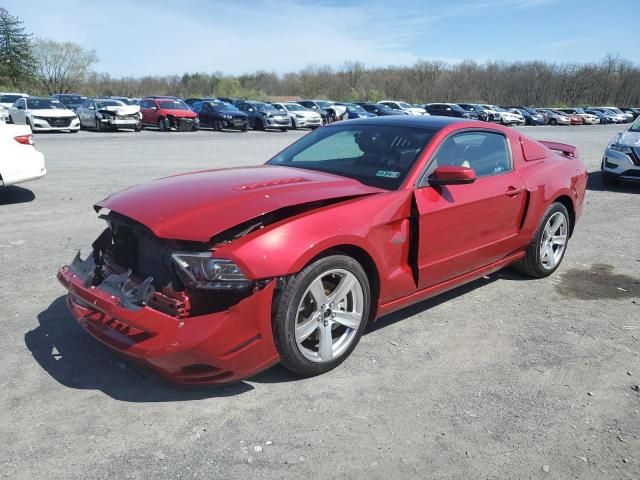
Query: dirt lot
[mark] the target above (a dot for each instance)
(503, 378)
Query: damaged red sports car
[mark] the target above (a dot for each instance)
(213, 276)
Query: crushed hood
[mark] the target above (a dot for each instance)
(196, 206)
(121, 109)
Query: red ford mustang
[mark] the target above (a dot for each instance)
(213, 276)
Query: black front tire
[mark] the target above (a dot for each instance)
(287, 313)
(610, 180)
(531, 264)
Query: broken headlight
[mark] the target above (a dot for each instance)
(200, 270)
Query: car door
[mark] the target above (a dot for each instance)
(465, 227)
(149, 112)
(18, 111)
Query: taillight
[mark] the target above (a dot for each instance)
(24, 139)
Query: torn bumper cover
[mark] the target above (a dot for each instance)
(213, 348)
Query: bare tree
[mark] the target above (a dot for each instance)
(62, 66)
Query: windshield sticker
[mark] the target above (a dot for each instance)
(387, 174)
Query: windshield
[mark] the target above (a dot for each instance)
(44, 104)
(323, 105)
(404, 105)
(499, 109)
(292, 107)
(355, 109)
(9, 98)
(223, 106)
(173, 105)
(378, 156)
(71, 99)
(635, 127)
(109, 103)
(264, 107)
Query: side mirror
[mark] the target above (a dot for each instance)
(20, 107)
(91, 107)
(452, 175)
(250, 109)
(154, 108)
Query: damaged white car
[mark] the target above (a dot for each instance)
(108, 114)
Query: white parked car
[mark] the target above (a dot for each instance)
(404, 107)
(504, 116)
(43, 114)
(301, 117)
(589, 118)
(20, 161)
(6, 100)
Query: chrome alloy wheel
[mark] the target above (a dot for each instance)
(329, 315)
(554, 241)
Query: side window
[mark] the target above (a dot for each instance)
(486, 152)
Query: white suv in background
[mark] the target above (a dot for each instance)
(404, 107)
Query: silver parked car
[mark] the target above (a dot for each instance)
(621, 160)
(109, 114)
(555, 117)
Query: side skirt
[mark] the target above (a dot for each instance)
(434, 290)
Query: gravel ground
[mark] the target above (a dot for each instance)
(503, 378)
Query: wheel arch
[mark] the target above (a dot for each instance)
(568, 204)
(363, 257)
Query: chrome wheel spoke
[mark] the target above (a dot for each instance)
(343, 289)
(325, 346)
(316, 289)
(348, 319)
(305, 329)
(559, 239)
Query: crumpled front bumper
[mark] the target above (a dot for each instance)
(214, 348)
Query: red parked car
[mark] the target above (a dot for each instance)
(167, 113)
(210, 277)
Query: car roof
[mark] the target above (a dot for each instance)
(432, 121)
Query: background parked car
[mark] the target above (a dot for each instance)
(301, 117)
(109, 114)
(6, 100)
(42, 114)
(621, 159)
(167, 114)
(634, 112)
(219, 115)
(449, 110)
(479, 112)
(70, 100)
(554, 117)
(404, 107)
(379, 109)
(355, 111)
(531, 115)
(589, 118)
(604, 117)
(20, 161)
(617, 117)
(329, 111)
(503, 116)
(264, 116)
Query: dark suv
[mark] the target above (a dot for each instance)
(449, 110)
(264, 115)
(220, 115)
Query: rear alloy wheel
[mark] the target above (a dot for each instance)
(547, 250)
(553, 121)
(322, 313)
(217, 126)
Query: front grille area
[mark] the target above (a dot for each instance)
(57, 121)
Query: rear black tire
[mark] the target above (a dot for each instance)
(99, 126)
(258, 125)
(553, 121)
(531, 264)
(284, 129)
(287, 312)
(294, 125)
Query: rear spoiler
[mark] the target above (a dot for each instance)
(563, 148)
